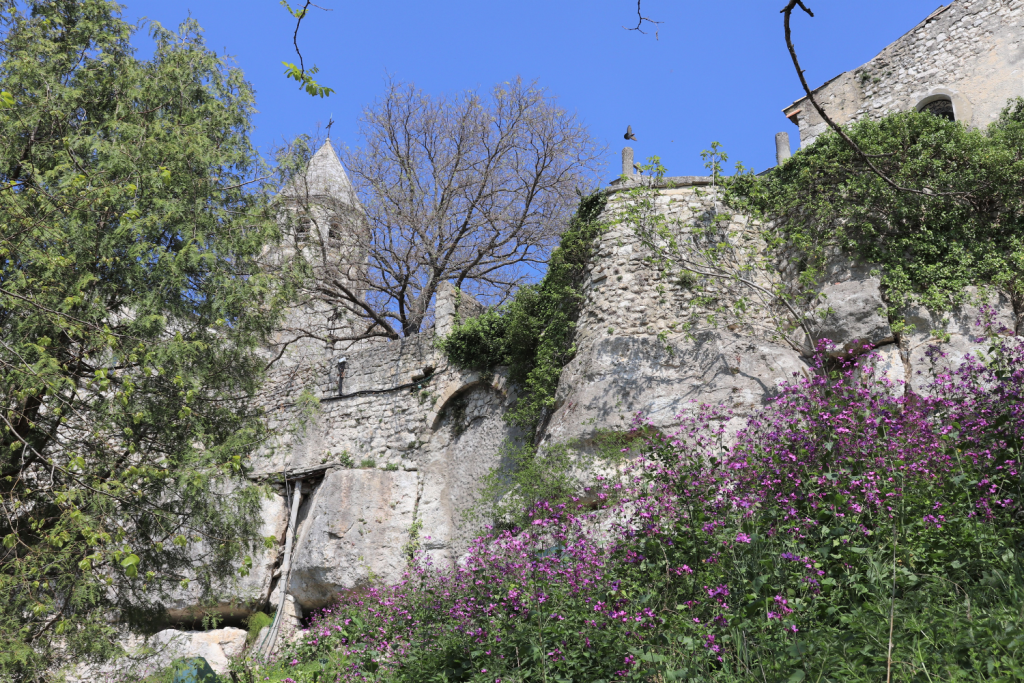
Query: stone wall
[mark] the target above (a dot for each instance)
(390, 463)
(633, 358)
(389, 399)
(632, 353)
(360, 524)
(970, 51)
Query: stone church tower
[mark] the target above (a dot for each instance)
(324, 228)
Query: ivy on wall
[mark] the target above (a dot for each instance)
(532, 334)
(962, 227)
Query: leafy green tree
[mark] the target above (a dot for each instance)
(130, 314)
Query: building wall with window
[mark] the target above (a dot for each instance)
(965, 60)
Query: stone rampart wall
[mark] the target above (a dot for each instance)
(388, 465)
(633, 354)
(633, 357)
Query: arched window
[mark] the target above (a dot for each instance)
(948, 104)
(942, 108)
(302, 228)
(334, 230)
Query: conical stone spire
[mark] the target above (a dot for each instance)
(325, 177)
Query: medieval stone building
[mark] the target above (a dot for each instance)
(964, 61)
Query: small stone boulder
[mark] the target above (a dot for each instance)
(157, 653)
(883, 366)
(852, 312)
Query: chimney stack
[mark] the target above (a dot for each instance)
(781, 148)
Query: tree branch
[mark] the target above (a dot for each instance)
(640, 21)
(300, 15)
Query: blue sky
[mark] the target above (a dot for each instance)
(718, 69)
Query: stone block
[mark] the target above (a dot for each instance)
(355, 534)
(883, 366)
(852, 312)
(156, 653)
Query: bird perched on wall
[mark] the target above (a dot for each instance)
(629, 134)
(638, 168)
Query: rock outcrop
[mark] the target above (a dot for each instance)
(852, 309)
(356, 532)
(233, 596)
(615, 377)
(937, 343)
(146, 656)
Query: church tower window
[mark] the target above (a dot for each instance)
(334, 230)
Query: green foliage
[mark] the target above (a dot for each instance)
(255, 622)
(131, 218)
(963, 227)
(305, 79)
(320, 670)
(299, 73)
(527, 476)
(533, 333)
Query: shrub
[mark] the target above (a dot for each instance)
(255, 623)
(962, 227)
(533, 333)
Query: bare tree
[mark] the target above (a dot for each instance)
(472, 189)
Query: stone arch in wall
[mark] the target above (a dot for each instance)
(962, 109)
(470, 440)
(457, 387)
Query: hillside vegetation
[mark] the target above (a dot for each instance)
(850, 532)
